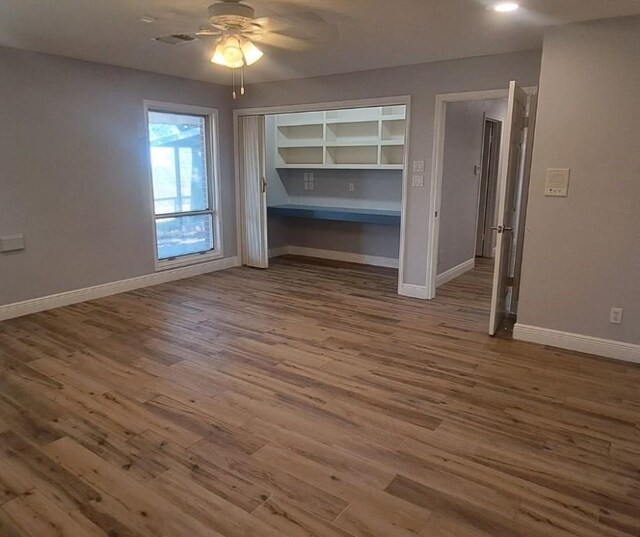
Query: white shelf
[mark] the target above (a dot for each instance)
(300, 118)
(352, 144)
(359, 138)
(340, 167)
(302, 143)
(309, 156)
(366, 155)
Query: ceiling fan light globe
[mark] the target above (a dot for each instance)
(250, 52)
(228, 53)
(505, 7)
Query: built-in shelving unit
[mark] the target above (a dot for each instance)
(357, 138)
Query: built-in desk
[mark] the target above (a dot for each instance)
(341, 214)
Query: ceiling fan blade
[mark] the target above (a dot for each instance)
(268, 24)
(208, 33)
(278, 40)
(209, 30)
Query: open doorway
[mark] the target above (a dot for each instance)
(325, 181)
(482, 154)
(469, 186)
(490, 151)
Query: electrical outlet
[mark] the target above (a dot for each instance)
(615, 316)
(352, 187)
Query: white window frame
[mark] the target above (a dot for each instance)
(213, 176)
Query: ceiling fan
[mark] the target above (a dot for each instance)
(237, 30)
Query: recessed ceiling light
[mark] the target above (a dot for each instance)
(147, 20)
(505, 7)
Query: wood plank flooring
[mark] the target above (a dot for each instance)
(308, 400)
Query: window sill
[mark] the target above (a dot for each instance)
(188, 260)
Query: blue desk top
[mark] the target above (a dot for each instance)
(342, 214)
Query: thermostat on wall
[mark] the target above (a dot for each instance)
(557, 183)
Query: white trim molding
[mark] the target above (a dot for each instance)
(618, 350)
(348, 257)
(456, 271)
(18, 309)
(437, 168)
(277, 252)
(414, 291)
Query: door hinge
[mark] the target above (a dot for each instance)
(510, 281)
(525, 122)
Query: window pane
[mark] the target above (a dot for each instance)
(184, 235)
(178, 162)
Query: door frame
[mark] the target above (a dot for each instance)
(321, 106)
(437, 168)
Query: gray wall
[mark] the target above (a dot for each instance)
(364, 239)
(72, 171)
(350, 237)
(276, 192)
(422, 82)
(373, 189)
(460, 186)
(582, 253)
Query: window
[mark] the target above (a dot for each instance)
(182, 173)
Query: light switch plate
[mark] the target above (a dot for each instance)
(12, 243)
(417, 180)
(418, 165)
(557, 182)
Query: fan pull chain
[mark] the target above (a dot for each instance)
(233, 82)
(242, 80)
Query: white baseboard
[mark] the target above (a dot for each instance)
(18, 309)
(336, 256)
(277, 252)
(414, 291)
(454, 272)
(609, 348)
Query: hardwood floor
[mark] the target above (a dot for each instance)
(308, 400)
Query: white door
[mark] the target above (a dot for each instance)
(511, 169)
(253, 191)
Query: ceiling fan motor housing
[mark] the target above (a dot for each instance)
(230, 13)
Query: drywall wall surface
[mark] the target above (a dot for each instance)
(73, 172)
(365, 239)
(276, 192)
(460, 182)
(422, 82)
(372, 189)
(582, 252)
(277, 232)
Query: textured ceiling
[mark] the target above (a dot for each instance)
(355, 34)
